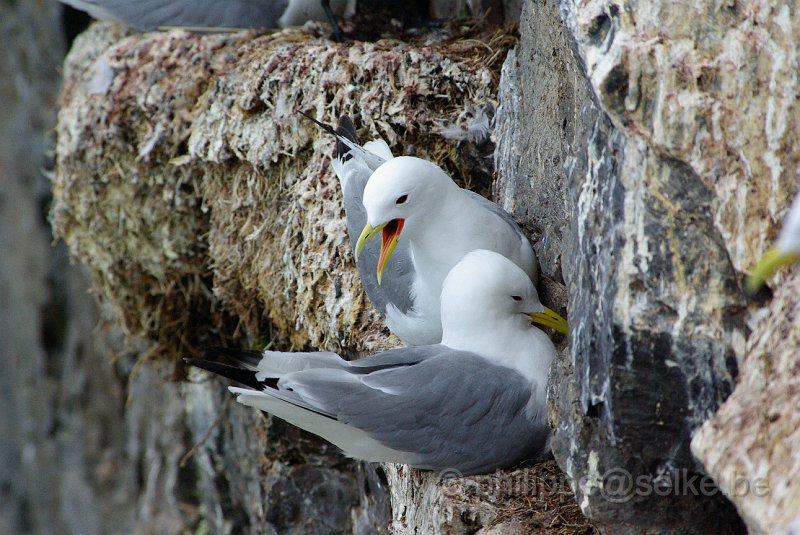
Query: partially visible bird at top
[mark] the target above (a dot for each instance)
(149, 15)
(785, 251)
(472, 404)
(427, 224)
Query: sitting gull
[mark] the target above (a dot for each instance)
(207, 14)
(785, 251)
(473, 404)
(439, 223)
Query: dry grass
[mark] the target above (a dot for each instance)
(537, 499)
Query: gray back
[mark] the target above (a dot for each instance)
(453, 409)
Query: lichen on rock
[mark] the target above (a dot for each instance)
(671, 187)
(712, 85)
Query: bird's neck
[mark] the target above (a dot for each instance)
(438, 241)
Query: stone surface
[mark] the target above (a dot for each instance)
(649, 185)
(93, 439)
(750, 445)
(527, 500)
(57, 446)
(668, 195)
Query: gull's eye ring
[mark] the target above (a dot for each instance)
(516, 297)
(401, 199)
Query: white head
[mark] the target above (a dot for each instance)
(487, 294)
(405, 188)
(399, 197)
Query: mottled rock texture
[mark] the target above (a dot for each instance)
(52, 448)
(94, 440)
(647, 148)
(669, 197)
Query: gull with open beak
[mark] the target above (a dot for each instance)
(785, 251)
(427, 224)
(413, 200)
(472, 404)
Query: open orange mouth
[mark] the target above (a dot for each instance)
(390, 231)
(389, 234)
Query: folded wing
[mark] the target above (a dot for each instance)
(353, 165)
(432, 407)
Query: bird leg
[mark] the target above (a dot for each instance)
(337, 34)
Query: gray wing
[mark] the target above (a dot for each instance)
(451, 410)
(506, 217)
(495, 209)
(152, 14)
(402, 356)
(399, 275)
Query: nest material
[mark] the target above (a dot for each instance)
(205, 207)
(537, 499)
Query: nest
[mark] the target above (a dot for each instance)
(537, 499)
(205, 207)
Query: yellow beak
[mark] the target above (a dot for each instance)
(550, 318)
(366, 234)
(390, 231)
(772, 260)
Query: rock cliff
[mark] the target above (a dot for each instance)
(646, 148)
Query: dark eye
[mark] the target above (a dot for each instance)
(516, 298)
(401, 199)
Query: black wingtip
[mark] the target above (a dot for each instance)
(246, 357)
(322, 125)
(245, 377)
(346, 129)
(337, 34)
